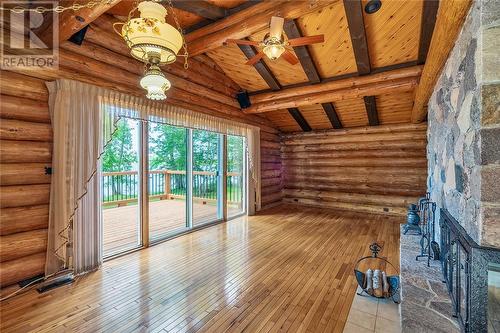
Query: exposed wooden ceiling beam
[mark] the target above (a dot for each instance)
(261, 67)
(450, 17)
(429, 13)
(332, 115)
(371, 110)
(377, 88)
(292, 31)
(325, 86)
(299, 118)
(71, 21)
(201, 8)
(354, 13)
(255, 18)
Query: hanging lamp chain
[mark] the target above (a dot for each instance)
(178, 26)
(57, 9)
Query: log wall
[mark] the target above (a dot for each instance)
(26, 136)
(371, 169)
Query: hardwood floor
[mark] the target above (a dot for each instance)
(289, 269)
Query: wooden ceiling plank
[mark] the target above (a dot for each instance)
(299, 118)
(70, 21)
(371, 110)
(332, 115)
(292, 31)
(201, 8)
(354, 13)
(450, 17)
(427, 27)
(261, 67)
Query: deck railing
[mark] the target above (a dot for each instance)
(121, 188)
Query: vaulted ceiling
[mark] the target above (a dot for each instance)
(356, 44)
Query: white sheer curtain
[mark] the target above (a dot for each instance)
(84, 118)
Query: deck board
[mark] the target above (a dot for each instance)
(288, 269)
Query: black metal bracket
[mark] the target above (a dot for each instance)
(48, 170)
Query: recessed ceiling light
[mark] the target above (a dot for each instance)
(373, 6)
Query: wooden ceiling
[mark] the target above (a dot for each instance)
(356, 44)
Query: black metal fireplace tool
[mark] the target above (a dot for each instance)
(428, 245)
(392, 281)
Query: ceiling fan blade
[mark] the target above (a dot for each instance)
(306, 40)
(242, 42)
(276, 27)
(290, 57)
(255, 58)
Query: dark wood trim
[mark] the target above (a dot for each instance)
(229, 12)
(201, 8)
(371, 110)
(261, 67)
(354, 13)
(429, 13)
(299, 118)
(332, 115)
(292, 31)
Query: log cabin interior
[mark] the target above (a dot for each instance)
(250, 165)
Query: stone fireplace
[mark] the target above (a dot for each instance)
(463, 154)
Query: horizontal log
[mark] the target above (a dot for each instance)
(269, 144)
(397, 211)
(376, 199)
(271, 198)
(24, 174)
(388, 145)
(373, 89)
(370, 179)
(417, 190)
(25, 130)
(270, 158)
(359, 138)
(355, 153)
(21, 269)
(270, 182)
(270, 166)
(25, 151)
(271, 189)
(271, 173)
(326, 86)
(27, 218)
(22, 244)
(372, 161)
(12, 107)
(270, 137)
(24, 195)
(356, 170)
(19, 85)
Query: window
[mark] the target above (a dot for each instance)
(183, 172)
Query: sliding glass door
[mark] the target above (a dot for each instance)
(121, 183)
(160, 180)
(206, 177)
(167, 180)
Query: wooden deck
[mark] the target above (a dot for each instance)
(166, 217)
(288, 269)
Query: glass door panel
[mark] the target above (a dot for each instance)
(167, 180)
(121, 188)
(206, 178)
(236, 169)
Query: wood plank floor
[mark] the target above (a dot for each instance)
(289, 269)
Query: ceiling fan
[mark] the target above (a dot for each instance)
(274, 44)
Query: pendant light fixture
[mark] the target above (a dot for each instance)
(154, 42)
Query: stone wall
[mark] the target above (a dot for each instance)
(464, 128)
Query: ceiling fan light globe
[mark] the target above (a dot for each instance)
(273, 52)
